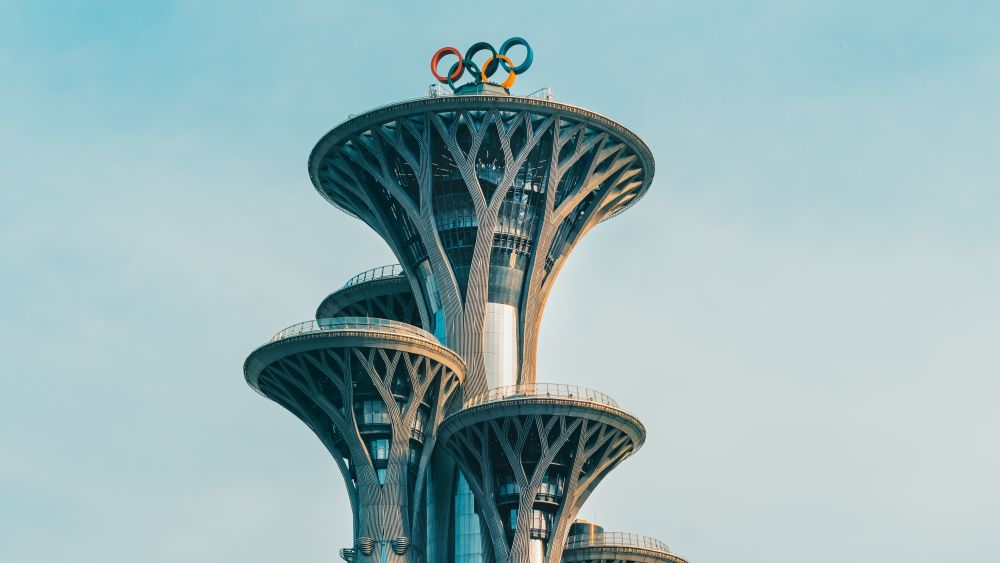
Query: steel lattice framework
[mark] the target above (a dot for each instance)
(545, 453)
(481, 198)
(374, 395)
(420, 378)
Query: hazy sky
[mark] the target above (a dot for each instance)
(804, 310)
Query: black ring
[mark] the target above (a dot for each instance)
(491, 68)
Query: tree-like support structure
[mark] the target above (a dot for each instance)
(382, 292)
(374, 391)
(532, 454)
(482, 198)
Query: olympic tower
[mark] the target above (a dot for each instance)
(420, 377)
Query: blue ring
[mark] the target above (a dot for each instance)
(521, 68)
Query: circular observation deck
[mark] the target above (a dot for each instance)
(388, 271)
(347, 332)
(382, 292)
(545, 446)
(482, 198)
(617, 546)
(374, 392)
(571, 120)
(546, 398)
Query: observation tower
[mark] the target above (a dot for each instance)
(482, 196)
(420, 377)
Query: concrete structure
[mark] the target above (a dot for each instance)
(420, 378)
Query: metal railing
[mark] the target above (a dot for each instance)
(440, 90)
(353, 323)
(558, 390)
(615, 539)
(390, 271)
(542, 94)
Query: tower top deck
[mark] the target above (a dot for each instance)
(472, 102)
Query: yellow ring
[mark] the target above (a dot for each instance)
(511, 76)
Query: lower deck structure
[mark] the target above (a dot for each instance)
(532, 454)
(374, 391)
(589, 543)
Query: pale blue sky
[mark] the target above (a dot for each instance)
(804, 310)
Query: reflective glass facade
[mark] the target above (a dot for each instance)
(467, 537)
(518, 224)
(454, 214)
(374, 412)
(379, 449)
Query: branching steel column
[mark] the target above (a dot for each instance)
(375, 399)
(480, 196)
(533, 461)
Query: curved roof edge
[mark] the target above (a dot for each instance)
(446, 103)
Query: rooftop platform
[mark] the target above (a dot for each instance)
(618, 546)
(382, 292)
(345, 332)
(353, 324)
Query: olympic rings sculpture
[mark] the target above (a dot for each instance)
(482, 74)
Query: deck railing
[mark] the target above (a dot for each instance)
(557, 390)
(615, 539)
(355, 323)
(390, 271)
(441, 90)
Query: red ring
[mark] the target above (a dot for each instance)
(437, 59)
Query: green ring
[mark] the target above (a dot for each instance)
(469, 65)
